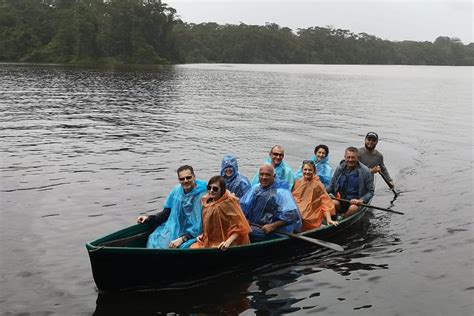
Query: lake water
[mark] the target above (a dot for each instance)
(84, 151)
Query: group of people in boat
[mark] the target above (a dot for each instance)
(230, 210)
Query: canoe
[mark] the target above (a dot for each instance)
(121, 261)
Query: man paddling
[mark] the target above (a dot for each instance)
(351, 181)
(180, 221)
(269, 203)
(373, 158)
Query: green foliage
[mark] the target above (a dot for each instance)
(85, 31)
(146, 32)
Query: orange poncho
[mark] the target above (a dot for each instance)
(222, 218)
(313, 201)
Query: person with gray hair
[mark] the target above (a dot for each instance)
(351, 181)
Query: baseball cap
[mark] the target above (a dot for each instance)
(372, 135)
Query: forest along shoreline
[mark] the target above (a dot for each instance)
(130, 32)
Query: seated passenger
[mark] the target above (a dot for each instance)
(313, 201)
(320, 158)
(180, 222)
(224, 223)
(352, 181)
(270, 203)
(282, 170)
(234, 181)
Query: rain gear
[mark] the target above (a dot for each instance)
(221, 219)
(323, 168)
(267, 205)
(237, 183)
(283, 172)
(185, 217)
(313, 201)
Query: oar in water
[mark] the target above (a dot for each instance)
(318, 242)
(371, 206)
(389, 185)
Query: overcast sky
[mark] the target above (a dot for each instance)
(395, 20)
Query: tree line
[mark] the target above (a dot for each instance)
(149, 32)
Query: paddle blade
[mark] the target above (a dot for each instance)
(322, 243)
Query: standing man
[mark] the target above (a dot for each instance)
(270, 204)
(282, 170)
(181, 217)
(373, 159)
(351, 181)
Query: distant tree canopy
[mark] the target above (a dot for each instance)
(147, 32)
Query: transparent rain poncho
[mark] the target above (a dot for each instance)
(323, 168)
(185, 217)
(221, 219)
(313, 201)
(267, 205)
(283, 172)
(237, 183)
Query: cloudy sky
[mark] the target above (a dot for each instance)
(396, 20)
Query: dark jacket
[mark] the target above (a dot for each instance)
(366, 181)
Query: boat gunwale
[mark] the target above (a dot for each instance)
(91, 247)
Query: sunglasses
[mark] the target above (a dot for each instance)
(309, 161)
(212, 188)
(185, 178)
(278, 154)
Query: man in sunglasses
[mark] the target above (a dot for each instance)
(271, 205)
(351, 181)
(282, 170)
(180, 221)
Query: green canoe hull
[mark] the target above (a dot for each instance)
(120, 260)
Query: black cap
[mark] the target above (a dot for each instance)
(372, 135)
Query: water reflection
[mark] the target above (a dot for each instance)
(223, 297)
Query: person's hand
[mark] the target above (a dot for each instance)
(331, 222)
(176, 243)
(224, 245)
(356, 201)
(142, 219)
(268, 228)
(392, 185)
(199, 239)
(375, 169)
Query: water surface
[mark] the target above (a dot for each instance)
(84, 151)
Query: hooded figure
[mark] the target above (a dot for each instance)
(235, 182)
(185, 217)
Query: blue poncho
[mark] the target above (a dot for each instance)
(237, 183)
(323, 168)
(267, 205)
(283, 172)
(185, 217)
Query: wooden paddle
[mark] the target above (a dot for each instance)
(371, 206)
(318, 242)
(389, 184)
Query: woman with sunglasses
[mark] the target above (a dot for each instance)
(313, 201)
(224, 223)
(321, 160)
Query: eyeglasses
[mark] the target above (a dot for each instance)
(212, 188)
(185, 178)
(278, 154)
